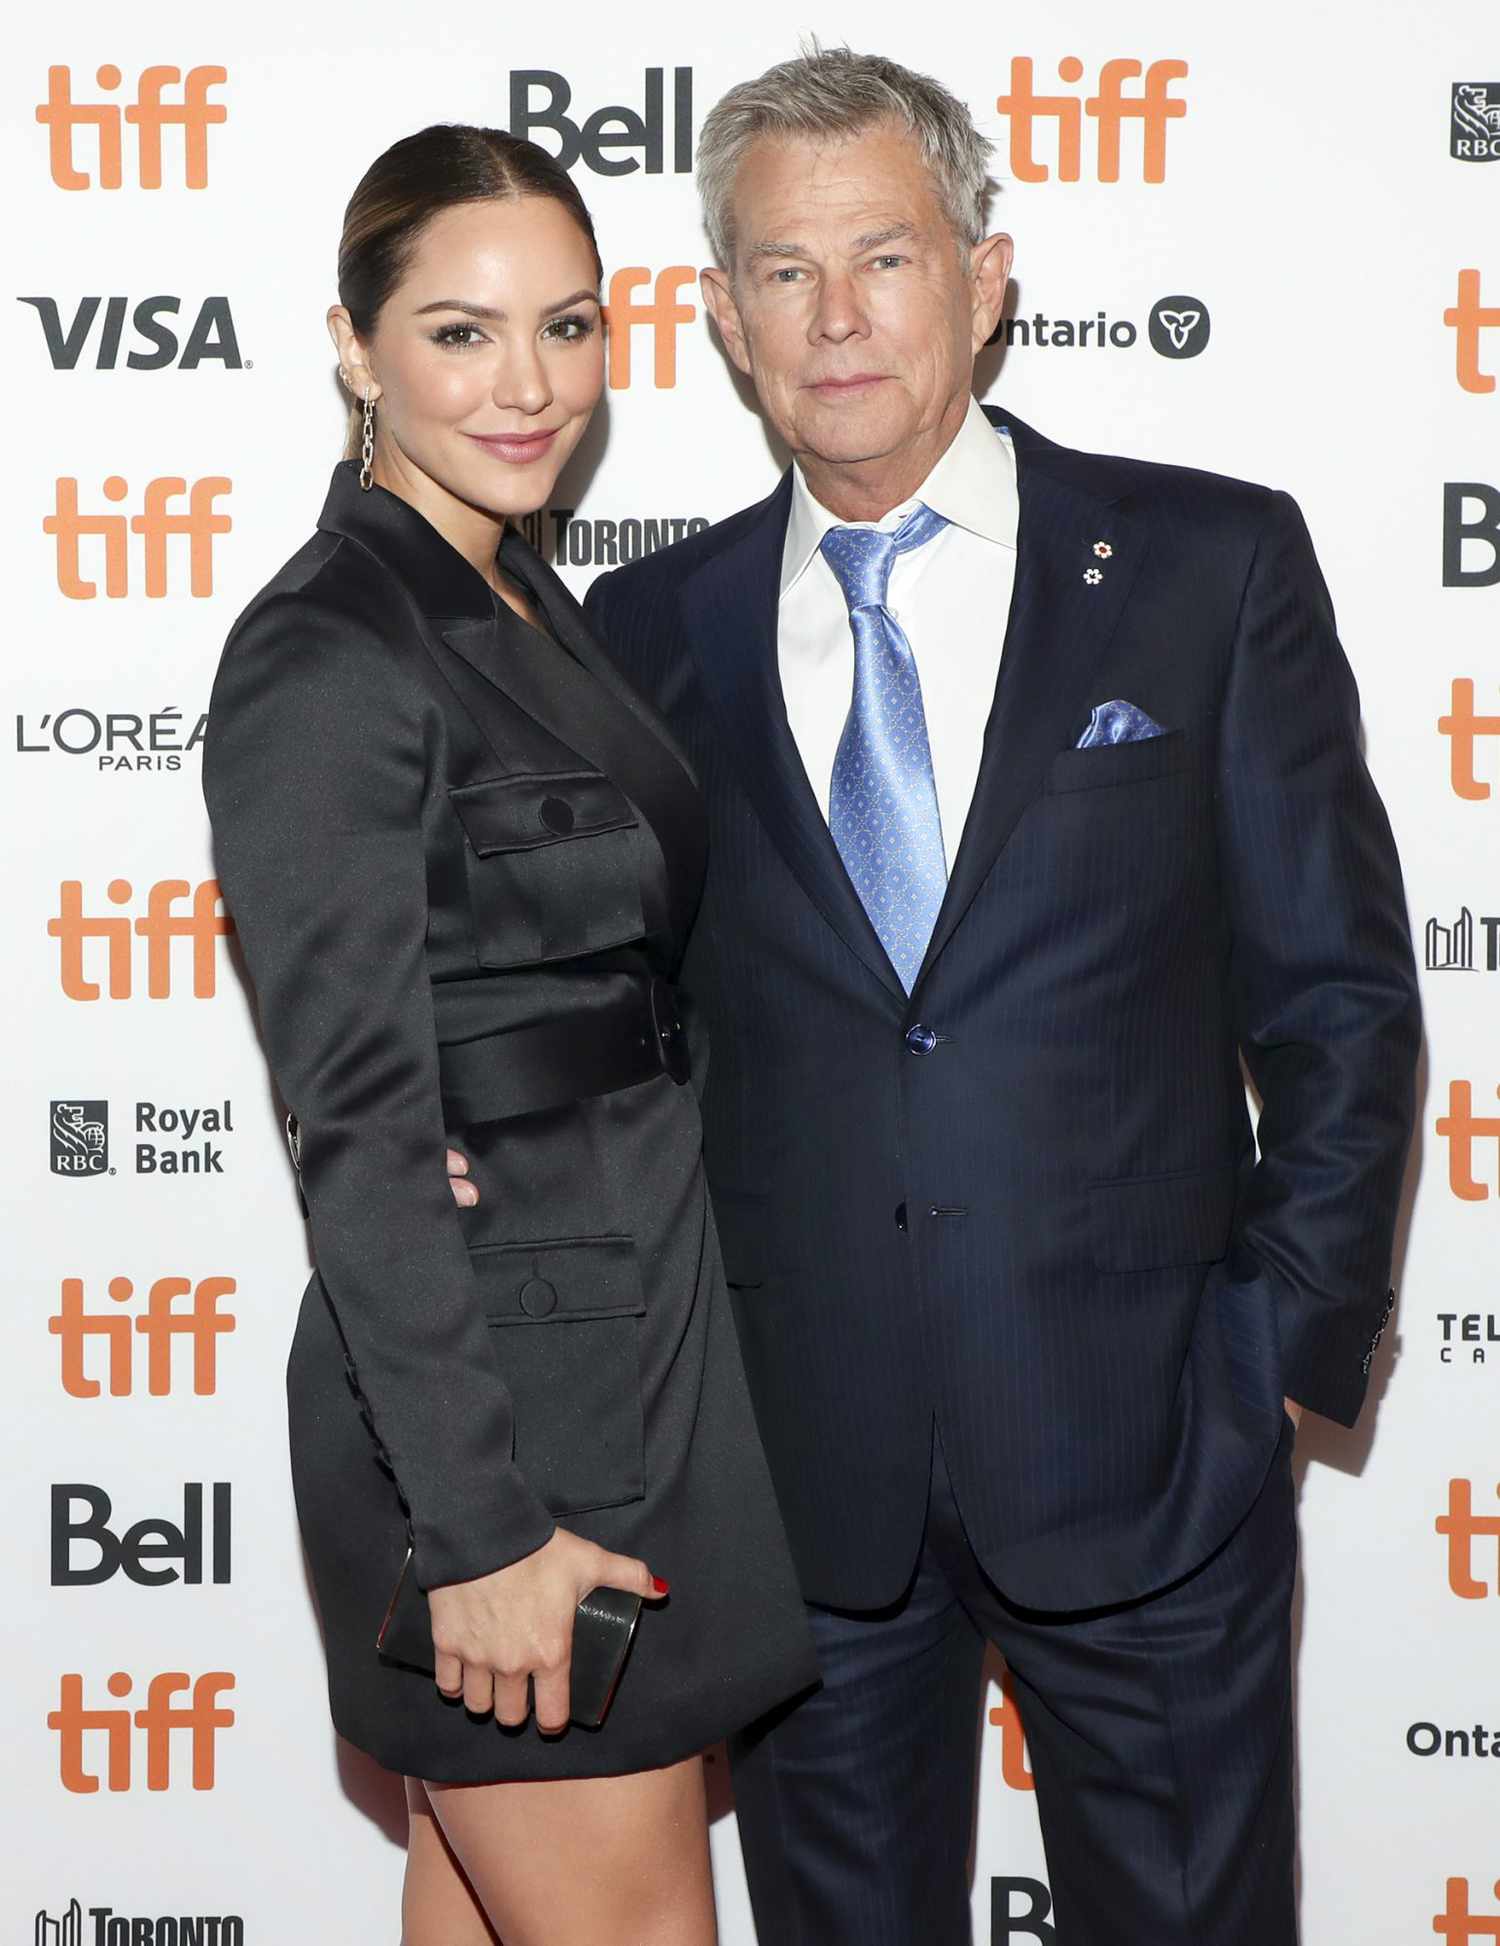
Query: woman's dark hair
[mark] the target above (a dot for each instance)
(417, 179)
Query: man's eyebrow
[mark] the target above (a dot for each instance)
(871, 240)
(491, 316)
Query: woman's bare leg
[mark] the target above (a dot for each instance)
(438, 1906)
(574, 1863)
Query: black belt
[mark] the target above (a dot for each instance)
(519, 1071)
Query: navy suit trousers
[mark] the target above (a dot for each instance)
(1159, 1732)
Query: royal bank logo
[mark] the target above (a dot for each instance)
(160, 333)
(106, 1927)
(80, 1138)
(1475, 132)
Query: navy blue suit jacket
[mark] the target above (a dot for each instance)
(1051, 1232)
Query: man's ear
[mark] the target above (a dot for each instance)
(718, 297)
(989, 267)
(354, 367)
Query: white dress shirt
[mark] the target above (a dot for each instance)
(951, 597)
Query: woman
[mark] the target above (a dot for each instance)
(463, 856)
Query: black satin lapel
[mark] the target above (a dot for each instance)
(1060, 624)
(730, 608)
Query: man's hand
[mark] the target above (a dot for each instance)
(1293, 1410)
(464, 1192)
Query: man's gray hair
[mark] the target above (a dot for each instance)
(833, 93)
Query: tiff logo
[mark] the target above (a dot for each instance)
(1460, 1128)
(1462, 1527)
(1463, 727)
(663, 312)
(1469, 318)
(158, 1721)
(161, 1324)
(148, 115)
(1015, 1767)
(159, 926)
(1457, 1923)
(1110, 108)
(156, 524)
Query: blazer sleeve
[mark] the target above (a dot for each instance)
(315, 776)
(1322, 977)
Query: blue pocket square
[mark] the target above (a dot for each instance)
(1117, 722)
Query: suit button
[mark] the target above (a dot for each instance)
(901, 1217)
(557, 815)
(921, 1039)
(538, 1297)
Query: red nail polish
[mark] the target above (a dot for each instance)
(661, 1587)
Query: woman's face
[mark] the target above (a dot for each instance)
(486, 360)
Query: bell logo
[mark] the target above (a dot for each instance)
(198, 1327)
(204, 926)
(663, 312)
(1014, 1765)
(1460, 1128)
(148, 115)
(1111, 107)
(1462, 1526)
(200, 1718)
(1463, 727)
(607, 129)
(1007, 1924)
(1469, 319)
(1471, 528)
(156, 524)
(1457, 1924)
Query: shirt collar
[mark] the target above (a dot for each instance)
(973, 486)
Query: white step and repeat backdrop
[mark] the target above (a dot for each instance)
(1265, 243)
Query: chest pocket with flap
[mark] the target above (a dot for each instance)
(553, 866)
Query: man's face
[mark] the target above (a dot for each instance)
(852, 304)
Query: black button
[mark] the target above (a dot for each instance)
(921, 1039)
(557, 815)
(901, 1217)
(538, 1298)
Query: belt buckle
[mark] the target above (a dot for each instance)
(666, 1030)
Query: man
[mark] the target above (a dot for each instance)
(978, 955)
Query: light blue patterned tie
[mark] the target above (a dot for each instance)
(883, 807)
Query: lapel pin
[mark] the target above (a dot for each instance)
(1093, 576)
(1103, 550)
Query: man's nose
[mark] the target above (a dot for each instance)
(839, 314)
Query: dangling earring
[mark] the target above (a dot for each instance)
(367, 444)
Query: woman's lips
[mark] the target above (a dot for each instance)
(517, 448)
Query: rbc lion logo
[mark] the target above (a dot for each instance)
(80, 1138)
(1476, 122)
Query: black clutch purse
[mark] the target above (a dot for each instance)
(603, 1630)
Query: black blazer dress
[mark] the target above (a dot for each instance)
(463, 857)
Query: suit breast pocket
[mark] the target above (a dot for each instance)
(1120, 763)
(553, 866)
(567, 1318)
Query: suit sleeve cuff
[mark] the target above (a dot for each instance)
(470, 1542)
(1326, 1353)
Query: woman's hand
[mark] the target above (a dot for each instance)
(489, 1635)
